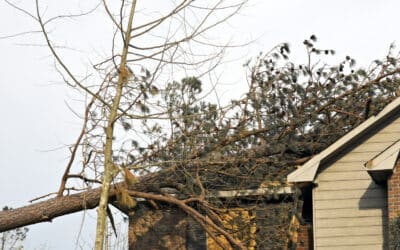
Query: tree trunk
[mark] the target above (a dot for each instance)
(52, 208)
(47, 210)
(113, 116)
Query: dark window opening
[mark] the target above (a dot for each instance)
(307, 204)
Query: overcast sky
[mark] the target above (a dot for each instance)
(36, 123)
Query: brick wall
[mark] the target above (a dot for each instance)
(169, 228)
(394, 193)
(305, 237)
(164, 229)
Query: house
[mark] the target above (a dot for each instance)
(350, 197)
(354, 186)
(258, 217)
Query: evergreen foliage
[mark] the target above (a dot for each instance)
(290, 113)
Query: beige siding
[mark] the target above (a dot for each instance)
(350, 240)
(359, 247)
(350, 213)
(350, 210)
(350, 203)
(345, 167)
(384, 137)
(342, 176)
(347, 185)
(348, 194)
(329, 191)
(357, 157)
(356, 231)
(370, 147)
(348, 222)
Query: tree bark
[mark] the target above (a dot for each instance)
(46, 211)
(52, 208)
(108, 149)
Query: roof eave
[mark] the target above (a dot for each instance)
(381, 166)
(308, 171)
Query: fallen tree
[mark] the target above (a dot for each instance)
(289, 113)
(46, 211)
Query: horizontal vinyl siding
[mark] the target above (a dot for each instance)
(350, 213)
(358, 157)
(347, 185)
(351, 240)
(350, 210)
(355, 231)
(351, 247)
(372, 146)
(345, 167)
(384, 137)
(349, 194)
(348, 222)
(350, 203)
(341, 176)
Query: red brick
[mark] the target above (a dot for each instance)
(305, 237)
(394, 193)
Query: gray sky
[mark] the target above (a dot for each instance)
(36, 123)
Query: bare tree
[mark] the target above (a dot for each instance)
(130, 89)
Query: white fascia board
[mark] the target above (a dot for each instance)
(307, 172)
(253, 192)
(384, 160)
(285, 190)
